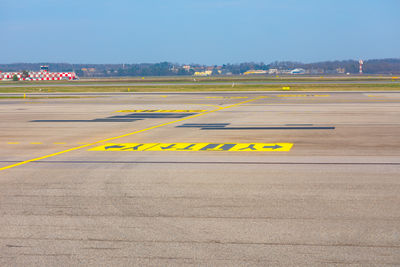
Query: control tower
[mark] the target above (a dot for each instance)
(44, 68)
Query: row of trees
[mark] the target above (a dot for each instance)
(374, 66)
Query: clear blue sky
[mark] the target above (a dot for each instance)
(201, 31)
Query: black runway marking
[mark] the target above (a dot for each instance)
(223, 126)
(154, 115)
(268, 128)
(202, 125)
(95, 120)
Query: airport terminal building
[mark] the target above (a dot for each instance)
(42, 75)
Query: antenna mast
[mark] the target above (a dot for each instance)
(361, 65)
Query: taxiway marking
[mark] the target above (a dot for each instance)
(125, 135)
(237, 147)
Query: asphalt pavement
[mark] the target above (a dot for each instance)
(227, 179)
(163, 84)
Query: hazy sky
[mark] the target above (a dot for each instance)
(197, 31)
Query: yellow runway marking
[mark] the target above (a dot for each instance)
(238, 147)
(125, 135)
(162, 110)
(13, 143)
(36, 143)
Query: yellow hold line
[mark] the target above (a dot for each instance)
(125, 135)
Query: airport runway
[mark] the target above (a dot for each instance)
(161, 84)
(227, 179)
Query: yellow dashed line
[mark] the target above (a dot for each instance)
(13, 143)
(36, 143)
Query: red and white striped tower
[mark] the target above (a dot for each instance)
(361, 65)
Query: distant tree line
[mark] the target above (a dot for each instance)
(373, 66)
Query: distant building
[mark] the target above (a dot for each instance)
(298, 71)
(203, 73)
(42, 75)
(186, 67)
(198, 68)
(285, 71)
(255, 72)
(340, 70)
(174, 69)
(273, 71)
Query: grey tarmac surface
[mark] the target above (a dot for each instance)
(100, 84)
(333, 199)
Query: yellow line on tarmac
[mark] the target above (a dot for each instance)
(125, 135)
